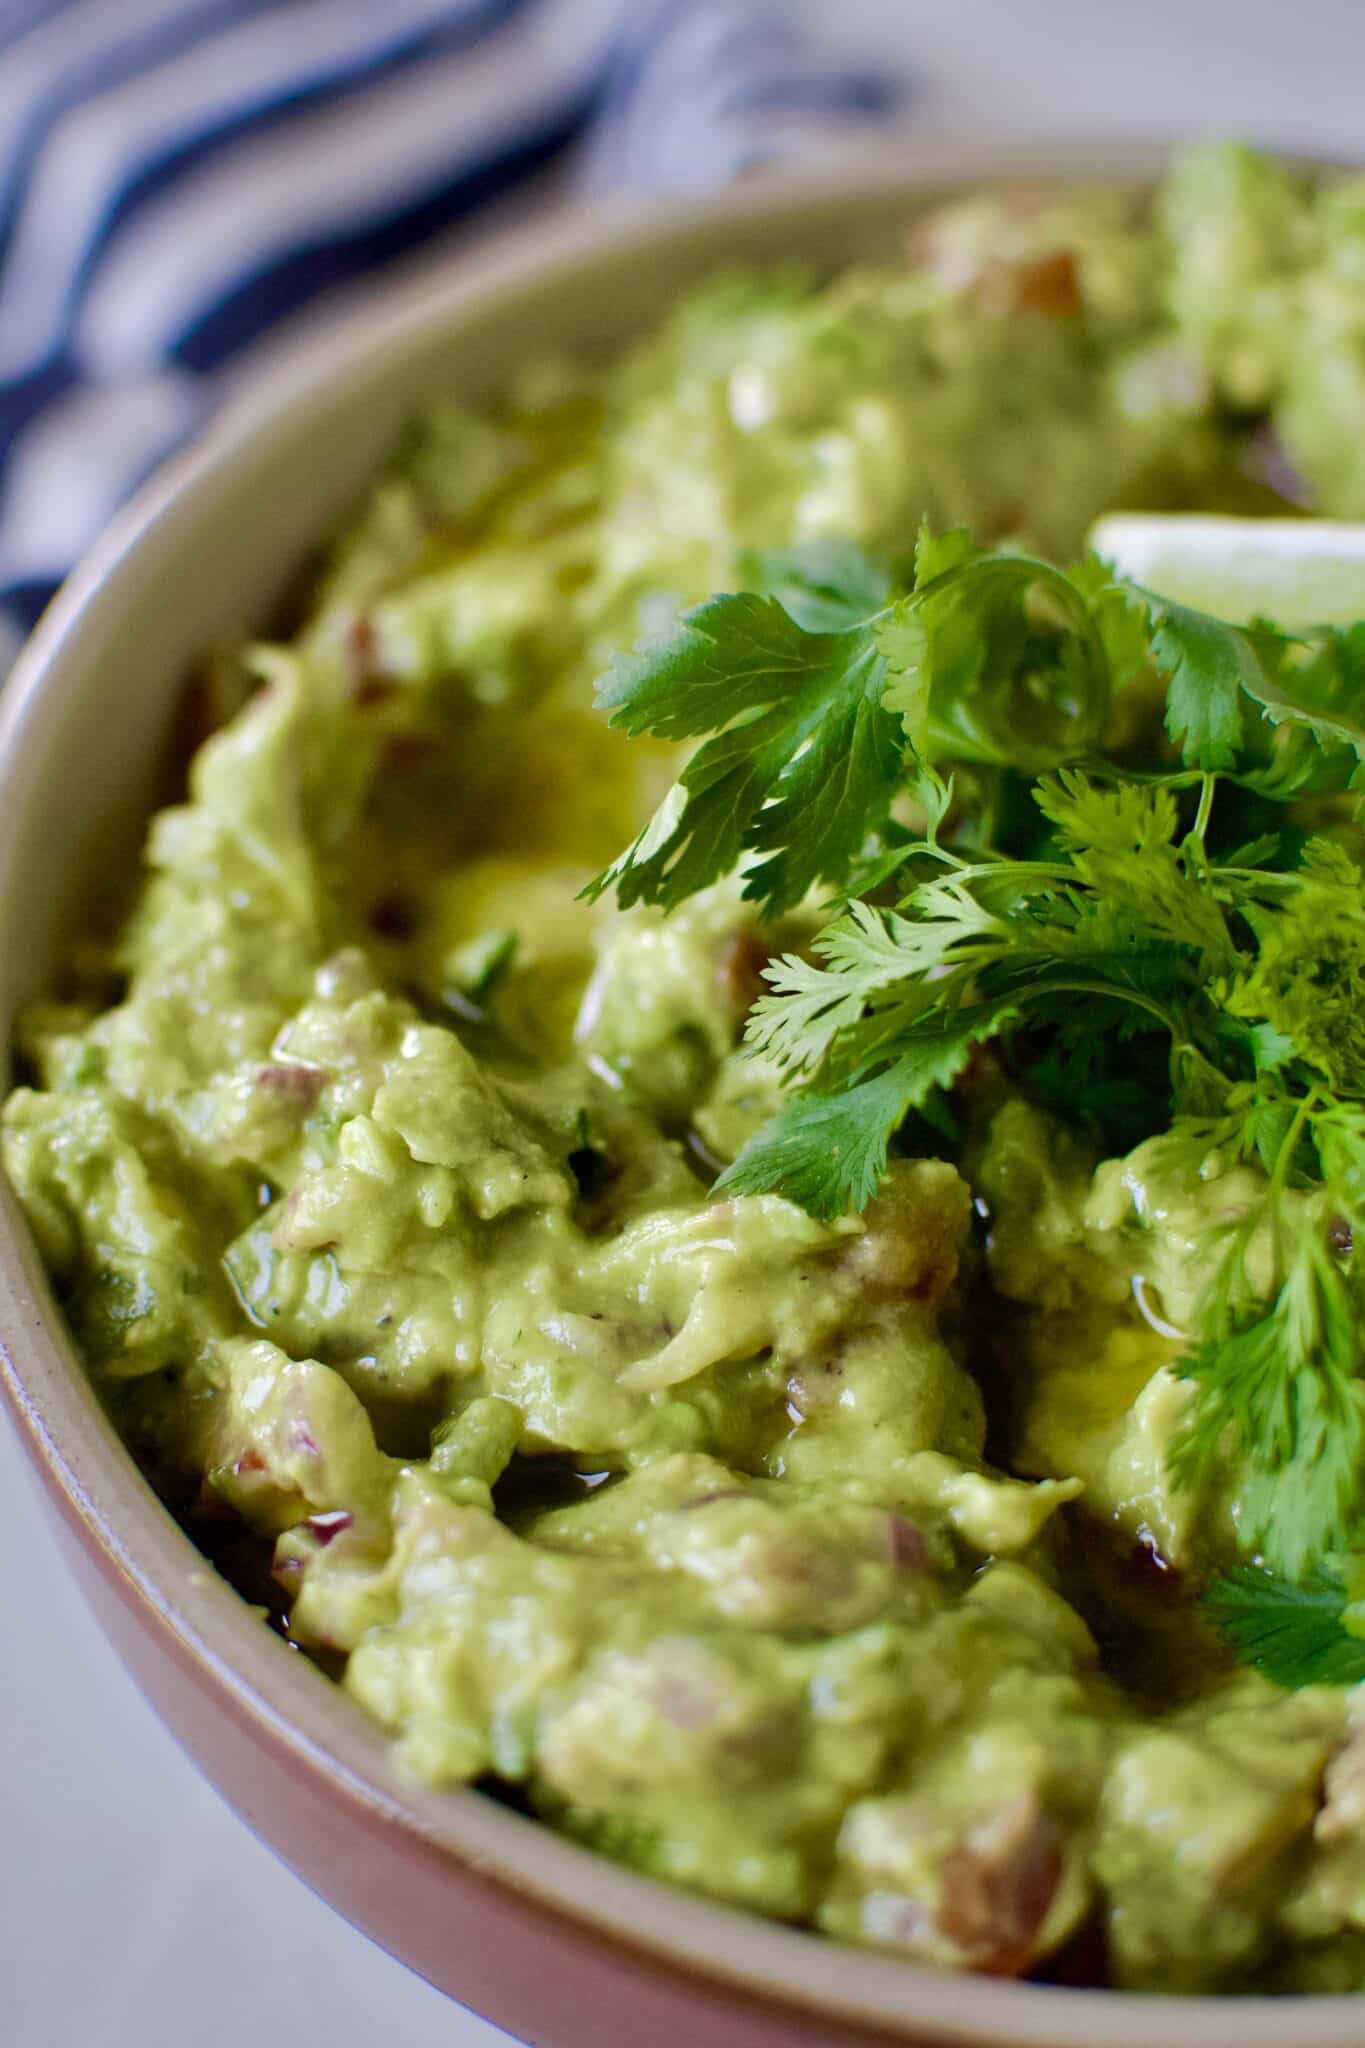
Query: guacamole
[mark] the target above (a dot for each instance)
(831, 1566)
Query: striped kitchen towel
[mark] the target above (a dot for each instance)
(179, 176)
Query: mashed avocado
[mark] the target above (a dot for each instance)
(831, 1568)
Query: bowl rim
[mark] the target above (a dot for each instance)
(85, 1463)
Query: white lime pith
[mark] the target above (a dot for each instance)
(1299, 572)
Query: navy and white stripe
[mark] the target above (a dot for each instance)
(177, 176)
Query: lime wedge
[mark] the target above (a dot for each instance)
(1299, 572)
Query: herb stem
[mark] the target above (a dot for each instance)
(1279, 1173)
(1199, 829)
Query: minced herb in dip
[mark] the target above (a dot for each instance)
(856, 1468)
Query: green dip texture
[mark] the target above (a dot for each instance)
(832, 1568)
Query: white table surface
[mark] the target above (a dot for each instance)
(135, 1910)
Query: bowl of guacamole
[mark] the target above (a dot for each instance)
(683, 1148)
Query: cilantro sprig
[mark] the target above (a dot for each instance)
(892, 749)
(815, 696)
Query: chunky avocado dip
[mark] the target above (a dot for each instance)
(896, 1464)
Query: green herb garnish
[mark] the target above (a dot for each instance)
(1297, 1635)
(894, 749)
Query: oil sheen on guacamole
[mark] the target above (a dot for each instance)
(829, 1567)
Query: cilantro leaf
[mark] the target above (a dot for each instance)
(1289, 1409)
(1303, 993)
(1208, 666)
(1108, 818)
(828, 1152)
(1296, 1634)
(1147, 890)
(1124, 922)
(867, 957)
(1120, 617)
(802, 762)
(825, 585)
(937, 553)
(1223, 681)
(1279, 1407)
(1317, 682)
(995, 658)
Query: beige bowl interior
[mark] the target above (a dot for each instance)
(203, 556)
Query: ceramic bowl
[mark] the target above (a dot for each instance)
(560, 1946)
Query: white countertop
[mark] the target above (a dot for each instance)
(136, 1911)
